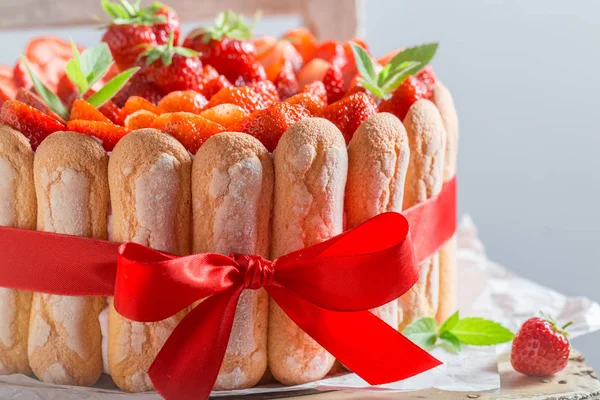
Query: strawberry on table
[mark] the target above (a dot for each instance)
(348, 113)
(140, 119)
(244, 96)
(303, 40)
(269, 124)
(540, 348)
(85, 111)
(188, 101)
(190, 129)
(108, 133)
(314, 104)
(228, 48)
(32, 123)
(171, 67)
(133, 27)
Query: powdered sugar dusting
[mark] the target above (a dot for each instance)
(8, 175)
(138, 381)
(234, 378)
(156, 204)
(57, 374)
(71, 313)
(66, 204)
(241, 341)
(235, 217)
(103, 320)
(39, 332)
(8, 313)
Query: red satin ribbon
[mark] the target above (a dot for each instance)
(325, 289)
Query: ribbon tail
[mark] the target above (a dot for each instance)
(187, 366)
(362, 342)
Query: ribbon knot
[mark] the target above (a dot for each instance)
(258, 271)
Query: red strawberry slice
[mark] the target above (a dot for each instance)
(32, 123)
(8, 88)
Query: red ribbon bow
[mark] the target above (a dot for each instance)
(325, 289)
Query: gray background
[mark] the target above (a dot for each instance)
(524, 77)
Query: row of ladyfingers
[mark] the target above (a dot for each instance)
(234, 196)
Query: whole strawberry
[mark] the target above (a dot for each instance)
(172, 68)
(133, 27)
(540, 348)
(348, 113)
(227, 47)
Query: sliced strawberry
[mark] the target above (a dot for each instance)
(32, 123)
(303, 40)
(31, 99)
(283, 51)
(227, 115)
(133, 104)
(108, 133)
(286, 82)
(388, 57)
(85, 111)
(312, 103)
(187, 101)
(110, 110)
(140, 88)
(8, 88)
(317, 88)
(66, 91)
(244, 96)
(334, 84)
(47, 57)
(348, 113)
(269, 124)
(140, 119)
(190, 129)
(331, 51)
(253, 72)
(313, 71)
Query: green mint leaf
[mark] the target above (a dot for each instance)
(183, 51)
(383, 74)
(450, 342)
(75, 54)
(398, 75)
(364, 63)
(421, 54)
(480, 332)
(449, 323)
(422, 332)
(374, 89)
(49, 98)
(111, 88)
(76, 76)
(95, 62)
(128, 7)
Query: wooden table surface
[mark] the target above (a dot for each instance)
(576, 382)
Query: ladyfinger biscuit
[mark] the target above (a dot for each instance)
(232, 189)
(17, 210)
(311, 165)
(70, 173)
(443, 100)
(424, 179)
(378, 156)
(149, 174)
